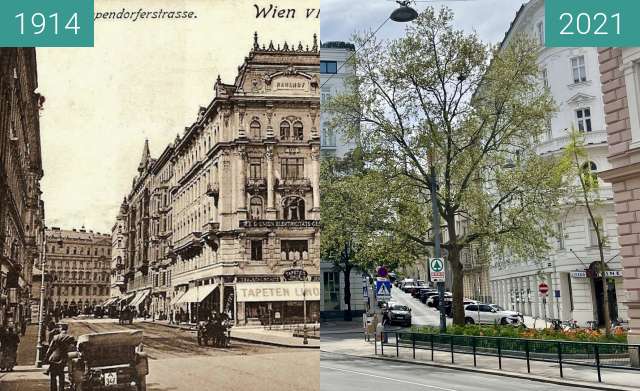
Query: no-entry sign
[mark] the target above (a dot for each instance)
(543, 288)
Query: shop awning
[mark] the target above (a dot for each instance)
(277, 291)
(197, 293)
(176, 298)
(126, 299)
(140, 296)
(110, 301)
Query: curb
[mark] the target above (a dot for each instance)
(244, 339)
(541, 379)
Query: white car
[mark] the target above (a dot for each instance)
(491, 314)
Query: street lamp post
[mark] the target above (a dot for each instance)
(305, 341)
(39, 348)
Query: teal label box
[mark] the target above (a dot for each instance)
(46, 23)
(592, 23)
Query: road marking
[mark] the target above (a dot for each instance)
(388, 378)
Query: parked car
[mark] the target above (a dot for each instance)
(400, 314)
(418, 292)
(448, 305)
(491, 314)
(432, 301)
(425, 295)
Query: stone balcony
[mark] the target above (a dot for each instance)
(256, 185)
(556, 144)
(293, 184)
(189, 246)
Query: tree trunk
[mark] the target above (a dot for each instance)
(457, 287)
(347, 291)
(605, 292)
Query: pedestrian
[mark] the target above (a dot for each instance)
(23, 328)
(56, 356)
(10, 343)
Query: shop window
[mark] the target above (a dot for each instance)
(256, 250)
(256, 207)
(293, 208)
(294, 250)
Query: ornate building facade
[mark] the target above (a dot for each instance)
(78, 261)
(229, 213)
(21, 209)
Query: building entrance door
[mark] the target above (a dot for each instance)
(613, 301)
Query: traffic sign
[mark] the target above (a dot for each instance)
(382, 271)
(543, 288)
(383, 289)
(436, 269)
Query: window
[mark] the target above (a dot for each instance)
(579, 69)
(285, 130)
(540, 28)
(328, 67)
(593, 238)
(328, 137)
(549, 130)
(298, 131)
(545, 77)
(256, 250)
(560, 235)
(293, 208)
(331, 290)
(584, 119)
(294, 250)
(570, 290)
(325, 94)
(255, 208)
(254, 130)
(255, 168)
(292, 168)
(589, 171)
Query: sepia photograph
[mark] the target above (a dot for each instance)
(160, 206)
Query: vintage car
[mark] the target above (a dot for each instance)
(98, 312)
(109, 361)
(215, 331)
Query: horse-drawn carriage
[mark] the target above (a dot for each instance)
(107, 361)
(126, 316)
(215, 330)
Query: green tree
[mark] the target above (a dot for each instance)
(587, 196)
(356, 215)
(440, 96)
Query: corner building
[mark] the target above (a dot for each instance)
(228, 215)
(246, 193)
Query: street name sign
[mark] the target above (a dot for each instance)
(383, 290)
(543, 288)
(436, 269)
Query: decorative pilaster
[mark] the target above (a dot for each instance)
(315, 178)
(270, 212)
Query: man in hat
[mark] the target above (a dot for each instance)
(56, 355)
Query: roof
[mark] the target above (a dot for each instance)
(337, 45)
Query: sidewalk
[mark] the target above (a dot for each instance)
(283, 338)
(582, 377)
(25, 375)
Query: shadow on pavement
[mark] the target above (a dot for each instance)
(24, 385)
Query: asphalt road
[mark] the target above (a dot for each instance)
(340, 372)
(421, 314)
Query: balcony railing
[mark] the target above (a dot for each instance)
(293, 183)
(255, 185)
(557, 143)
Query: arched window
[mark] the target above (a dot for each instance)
(293, 208)
(285, 130)
(254, 132)
(255, 208)
(298, 131)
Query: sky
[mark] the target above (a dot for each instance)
(341, 18)
(143, 79)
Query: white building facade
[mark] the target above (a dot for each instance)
(575, 288)
(334, 71)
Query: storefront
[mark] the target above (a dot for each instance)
(277, 302)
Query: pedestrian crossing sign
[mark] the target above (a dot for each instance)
(436, 269)
(383, 289)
